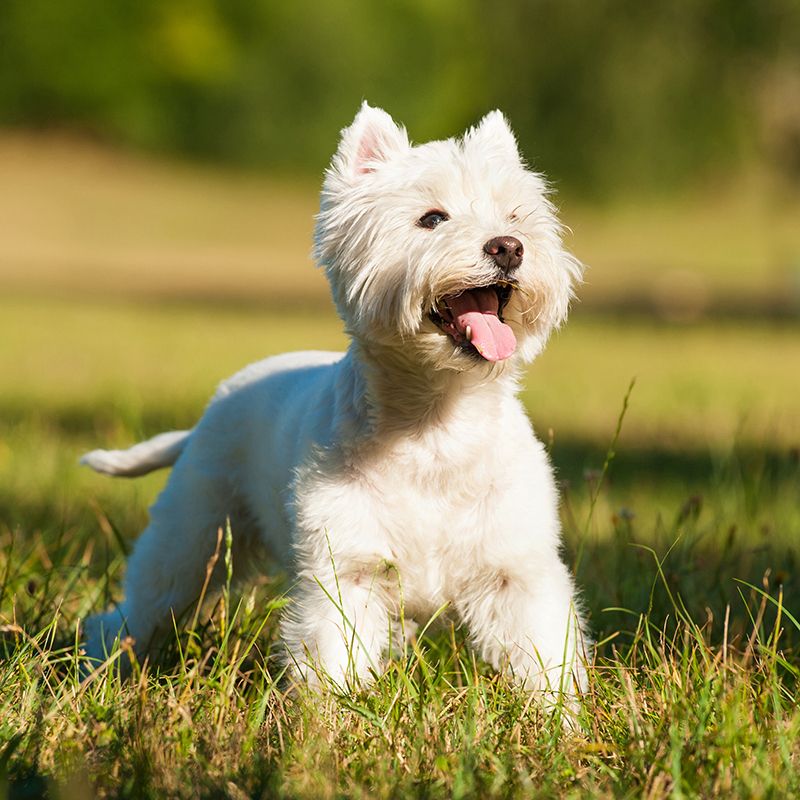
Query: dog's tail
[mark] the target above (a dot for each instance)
(160, 451)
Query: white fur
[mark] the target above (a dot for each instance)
(403, 476)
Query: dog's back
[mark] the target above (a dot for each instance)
(164, 449)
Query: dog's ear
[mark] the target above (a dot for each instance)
(493, 135)
(372, 138)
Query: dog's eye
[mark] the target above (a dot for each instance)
(432, 219)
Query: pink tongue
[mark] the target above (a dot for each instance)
(477, 308)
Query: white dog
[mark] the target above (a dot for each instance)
(402, 476)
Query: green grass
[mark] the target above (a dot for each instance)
(686, 554)
(735, 238)
(699, 386)
(688, 564)
(83, 374)
(693, 692)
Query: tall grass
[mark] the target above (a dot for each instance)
(693, 689)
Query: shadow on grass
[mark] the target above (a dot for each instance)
(710, 537)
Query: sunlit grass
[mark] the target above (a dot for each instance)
(698, 386)
(87, 218)
(693, 691)
(62, 352)
(86, 374)
(726, 240)
(693, 596)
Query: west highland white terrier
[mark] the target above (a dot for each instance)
(402, 477)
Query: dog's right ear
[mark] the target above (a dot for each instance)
(371, 140)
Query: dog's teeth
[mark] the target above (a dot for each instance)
(469, 333)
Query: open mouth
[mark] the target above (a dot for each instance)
(474, 320)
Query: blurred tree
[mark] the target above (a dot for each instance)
(608, 94)
(617, 92)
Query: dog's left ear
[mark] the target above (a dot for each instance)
(493, 135)
(372, 139)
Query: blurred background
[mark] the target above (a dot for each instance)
(159, 169)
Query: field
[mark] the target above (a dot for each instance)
(115, 324)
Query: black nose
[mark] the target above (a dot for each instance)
(506, 252)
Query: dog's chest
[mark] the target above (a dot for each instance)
(442, 508)
(434, 513)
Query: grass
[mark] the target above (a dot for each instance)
(739, 239)
(83, 374)
(91, 219)
(686, 552)
(688, 564)
(693, 692)
(700, 386)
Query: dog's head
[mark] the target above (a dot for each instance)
(450, 249)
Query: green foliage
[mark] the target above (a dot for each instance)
(248, 81)
(606, 94)
(619, 92)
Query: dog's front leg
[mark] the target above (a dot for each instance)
(528, 626)
(337, 628)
